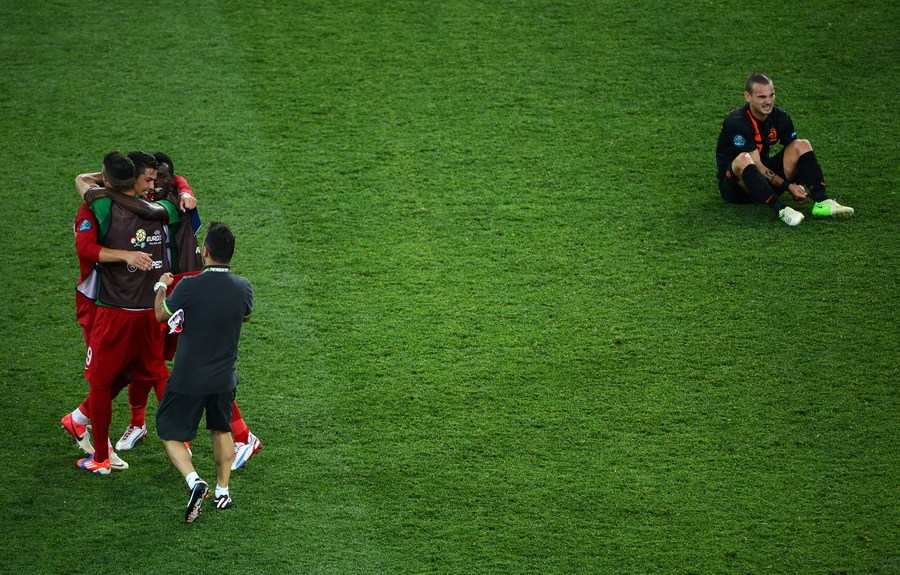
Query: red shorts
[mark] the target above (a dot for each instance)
(84, 312)
(123, 340)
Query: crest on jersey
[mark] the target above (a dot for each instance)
(739, 141)
(85, 225)
(140, 239)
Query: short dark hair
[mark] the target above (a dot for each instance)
(756, 78)
(164, 159)
(220, 242)
(142, 161)
(118, 170)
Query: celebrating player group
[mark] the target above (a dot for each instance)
(147, 293)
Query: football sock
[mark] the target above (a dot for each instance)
(192, 478)
(240, 431)
(159, 386)
(84, 408)
(137, 402)
(241, 437)
(138, 392)
(239, 428)
(79, 417)
(809, 173)
(138, 415)
(101, 415)
(760, 189)
(220, 491)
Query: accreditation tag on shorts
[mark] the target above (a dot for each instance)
(175, 321)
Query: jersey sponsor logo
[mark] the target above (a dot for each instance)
(739, 141)
(155, 265)
(84, 225)
(142, 240)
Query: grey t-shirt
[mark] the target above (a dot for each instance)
(215, 304)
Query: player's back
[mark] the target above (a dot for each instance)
(215, 304)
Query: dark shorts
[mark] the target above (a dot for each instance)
(776, 163)
(178, 415)
(732, 192)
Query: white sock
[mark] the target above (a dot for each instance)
(192, 478)
(220, 491)
(79, 417)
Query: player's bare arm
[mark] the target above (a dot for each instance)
(84, 182)
(135, 204)
(777, 182)
(187, 201)
(94, 194)
(90, 188)
(140, 260)
(140, 206)
(797, 191)
(161, 287)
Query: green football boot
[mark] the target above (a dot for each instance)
(830, 208)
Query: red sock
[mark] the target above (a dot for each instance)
(101, 415)
(239, 429)
(138, 392)
(160, 388)
(85, 406)
(138, 416)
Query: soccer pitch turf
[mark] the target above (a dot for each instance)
(504, 323)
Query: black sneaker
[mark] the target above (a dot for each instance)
(223, 502)
(199, 492)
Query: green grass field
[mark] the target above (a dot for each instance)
(504, 322)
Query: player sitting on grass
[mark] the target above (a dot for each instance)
(746, 172)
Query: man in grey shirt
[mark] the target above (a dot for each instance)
(209, 309)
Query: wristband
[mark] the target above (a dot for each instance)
(785, 185)
(159, 285)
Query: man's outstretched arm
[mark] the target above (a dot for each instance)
(84, 182)
(159, 305)
(134, 204)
